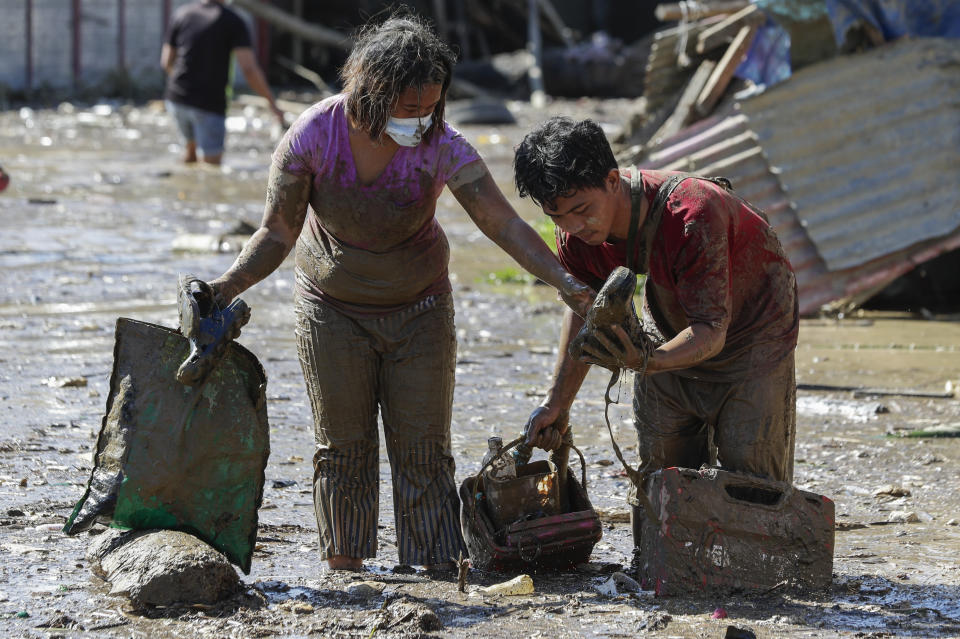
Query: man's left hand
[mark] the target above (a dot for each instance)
(620, 348)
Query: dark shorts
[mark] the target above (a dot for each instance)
(746, 426)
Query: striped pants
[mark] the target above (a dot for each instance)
(402, 365)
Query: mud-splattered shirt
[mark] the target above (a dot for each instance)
(370, 248)
(714, 260)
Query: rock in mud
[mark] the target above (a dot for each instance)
(365, 588)
(162, 567)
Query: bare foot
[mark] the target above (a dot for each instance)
(190, 153)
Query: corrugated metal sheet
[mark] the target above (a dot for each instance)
(726, 145)
(860, 183)
(868, 147)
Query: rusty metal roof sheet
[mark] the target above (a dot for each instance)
(820, 155)
(868, 147)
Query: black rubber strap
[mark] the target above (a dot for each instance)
(642, 262)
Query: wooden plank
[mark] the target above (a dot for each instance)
(688, 10)
(301, 28)
(723, 72)
(726, 29)
(683, 113)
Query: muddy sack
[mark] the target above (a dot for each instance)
(179, 457)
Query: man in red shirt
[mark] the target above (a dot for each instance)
(720, 299)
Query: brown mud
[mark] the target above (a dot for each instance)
(87, 226)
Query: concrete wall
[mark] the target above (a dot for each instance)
(78, 43)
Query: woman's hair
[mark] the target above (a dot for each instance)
(559, 157)
(387, 59)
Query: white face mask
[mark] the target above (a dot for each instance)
(408, 131)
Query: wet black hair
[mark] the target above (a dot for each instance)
(562, 156)
(387, 59)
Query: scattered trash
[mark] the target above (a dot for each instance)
(719, 613)
(60, 621)
(944, 430)
(65, 382)
(300, 608)
(891, 490)
(614, 515)
(519, 585)
(413, 614)
(655, 621)
(617, 584)
(903, 517)
(284, 483)
(208, 243)
(953, 522)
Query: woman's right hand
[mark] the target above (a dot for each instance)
(222, 291)
(546, 426)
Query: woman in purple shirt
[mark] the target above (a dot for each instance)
(354, 184)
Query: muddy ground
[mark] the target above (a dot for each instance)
(87, 230)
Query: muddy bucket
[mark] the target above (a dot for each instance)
(531, 541)
(720, 531)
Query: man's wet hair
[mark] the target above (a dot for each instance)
(562, 156)
(387, 59)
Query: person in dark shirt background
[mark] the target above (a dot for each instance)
(196, 58)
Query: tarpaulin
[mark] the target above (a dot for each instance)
(896, 18)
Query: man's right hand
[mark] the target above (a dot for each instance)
(546, 426)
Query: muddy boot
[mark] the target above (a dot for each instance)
(612, 306)
(207, 327)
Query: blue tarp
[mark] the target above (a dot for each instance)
(768, 60)
(897, 18)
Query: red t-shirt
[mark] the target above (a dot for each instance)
(714, 259)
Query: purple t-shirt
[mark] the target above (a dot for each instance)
(370, 248)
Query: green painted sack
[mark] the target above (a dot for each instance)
(179, 457)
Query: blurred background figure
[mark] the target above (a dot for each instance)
(196, 58)
(4, 180)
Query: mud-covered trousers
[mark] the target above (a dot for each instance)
(402, 364)
(749, 426)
